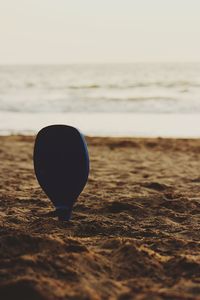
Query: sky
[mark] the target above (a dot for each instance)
(99, 31)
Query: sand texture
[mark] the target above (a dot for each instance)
(135, 232)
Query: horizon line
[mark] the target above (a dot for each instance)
(94, 63)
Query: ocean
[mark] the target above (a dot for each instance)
(141, 99)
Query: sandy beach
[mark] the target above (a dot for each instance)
(135, 232)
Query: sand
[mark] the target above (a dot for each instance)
(135, 228)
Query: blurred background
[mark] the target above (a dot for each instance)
(111, 68)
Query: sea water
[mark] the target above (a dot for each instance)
(141, 99)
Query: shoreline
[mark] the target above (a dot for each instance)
(107, 124)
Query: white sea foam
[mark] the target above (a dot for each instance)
(100, 124)
(107, 91)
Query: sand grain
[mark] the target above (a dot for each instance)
(134, 232)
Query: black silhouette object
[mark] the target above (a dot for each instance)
(61, 164)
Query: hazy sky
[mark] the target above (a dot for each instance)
(68, 31)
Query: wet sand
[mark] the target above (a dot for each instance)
(135, 232)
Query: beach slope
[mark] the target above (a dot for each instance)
(135, 232)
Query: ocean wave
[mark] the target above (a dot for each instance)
(175, 84)
(156, 98)
(137, 88)
(140, 98)
(91, 86)
(38, 85)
